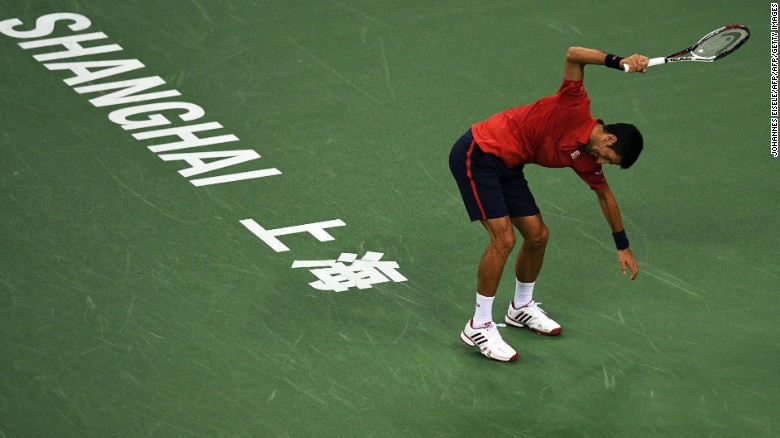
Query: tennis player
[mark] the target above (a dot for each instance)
(487, 163)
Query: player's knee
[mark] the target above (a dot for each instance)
(504, 243)
(538, 239)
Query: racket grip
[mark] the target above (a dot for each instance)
(652, 62)
(656, 61)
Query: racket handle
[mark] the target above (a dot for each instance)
(652, 62)
(656, 61)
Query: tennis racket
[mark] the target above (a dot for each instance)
(713, 46)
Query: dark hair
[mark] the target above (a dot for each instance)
(629, 142)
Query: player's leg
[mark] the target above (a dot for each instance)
(523, 311)
(531, 255)
(478, 176)
(491, 266)
(480, 189)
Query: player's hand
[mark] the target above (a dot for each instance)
(627, 261)
(636, 63)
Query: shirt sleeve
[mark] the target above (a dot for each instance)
(572, 94)
(592, 173)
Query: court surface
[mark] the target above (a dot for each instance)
(137, 297)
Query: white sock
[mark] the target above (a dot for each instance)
(524, 293)
(484, 311)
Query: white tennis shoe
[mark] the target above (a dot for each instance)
(489, 342)
(533, 317)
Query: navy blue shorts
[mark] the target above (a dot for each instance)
(489, 189)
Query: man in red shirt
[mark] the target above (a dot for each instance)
(487, 163)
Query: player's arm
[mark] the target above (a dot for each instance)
(612, 213)
(578, 57)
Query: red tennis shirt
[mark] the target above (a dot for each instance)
(549, 132)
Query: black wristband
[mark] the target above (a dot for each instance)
(621, 241)
(613, 61)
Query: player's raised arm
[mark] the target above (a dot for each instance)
(578, 57)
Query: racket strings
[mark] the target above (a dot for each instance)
(720, 43)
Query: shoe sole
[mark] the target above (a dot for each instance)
(512, 322)
(467, 340)
(470, 343)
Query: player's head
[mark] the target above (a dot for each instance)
(629, 142)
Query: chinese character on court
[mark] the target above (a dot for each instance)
(349, 271)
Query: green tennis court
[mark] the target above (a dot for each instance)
(306, 269)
